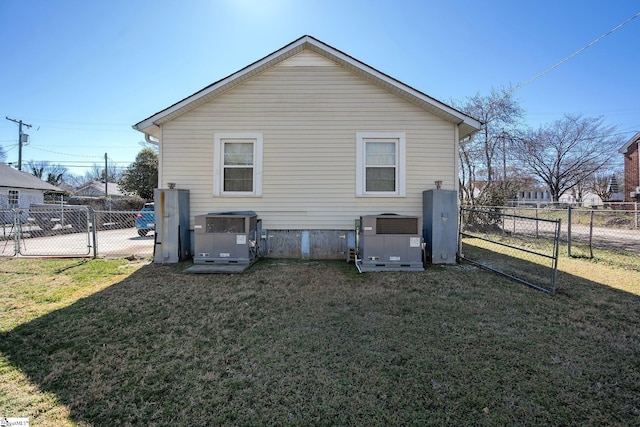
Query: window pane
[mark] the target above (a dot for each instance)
(238, 154)
(381, 154)
(381, 179)
(238, 179)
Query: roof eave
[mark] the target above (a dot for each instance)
(625, 148)
(151, 125)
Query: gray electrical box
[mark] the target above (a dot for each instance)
(389, 243)
(172, 237)
(227, 238)
(440, 225)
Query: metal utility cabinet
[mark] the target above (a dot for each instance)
(227, 238)
(440, 225)
(389, 243)
(171, 215)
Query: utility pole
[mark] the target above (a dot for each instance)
(106, 177)
(21, 139)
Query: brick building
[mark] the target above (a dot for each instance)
(631, 169)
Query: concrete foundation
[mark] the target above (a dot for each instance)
(309, 244)
(305, 244)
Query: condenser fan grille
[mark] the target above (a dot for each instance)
(396, 225)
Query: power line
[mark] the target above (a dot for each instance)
(90, 166)
(67, 154)
(78, 162)
(579, 51)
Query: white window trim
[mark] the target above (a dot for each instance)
(361, 138)
(17, 198)
(218, 166)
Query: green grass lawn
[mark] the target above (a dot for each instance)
(105, 343)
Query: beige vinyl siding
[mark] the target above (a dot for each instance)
(308, 116)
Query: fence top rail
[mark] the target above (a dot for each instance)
(113, 211)
(35, 207)
(482, 211)
(549, 208)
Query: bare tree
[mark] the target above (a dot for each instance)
(485, 157)
(97, 173)
(600, 184)
(46, 171)
(564, 153)
(578, 191)
(468, 155)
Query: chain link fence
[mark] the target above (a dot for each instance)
(585, 230)
(522, 248)
(7, 220)
(72, 231)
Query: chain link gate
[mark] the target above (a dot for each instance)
(9, 228)
(71, 226)
(72, 231)
(522, 248)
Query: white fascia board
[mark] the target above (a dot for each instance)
(633, 140)
(151, 124)
(344, 58)
(153, 120)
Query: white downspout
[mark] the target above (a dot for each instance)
(158, 142)
(456, 156)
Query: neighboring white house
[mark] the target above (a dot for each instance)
(311, 139)
(20, 189)
(588, 199)
(533, 196)
(97, 189)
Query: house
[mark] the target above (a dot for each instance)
(97, 189)
(534, 195)
(21, 189)
(588, 198)
(631, 168)
(311, 139)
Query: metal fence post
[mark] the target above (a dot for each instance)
(92, 215)
(569, 231)
(460, 253)
(556, 246)
(635, 207)
(17, 231)
(591, 235)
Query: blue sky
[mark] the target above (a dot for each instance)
(83, 72)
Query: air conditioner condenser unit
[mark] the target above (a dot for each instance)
(227, 238)
(389, 243)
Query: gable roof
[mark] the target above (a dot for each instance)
(96, 188)
(467, 124)
(634, 140)
(12, 178)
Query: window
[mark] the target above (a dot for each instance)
(238, 164)
(13, 198)
(380, 167)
